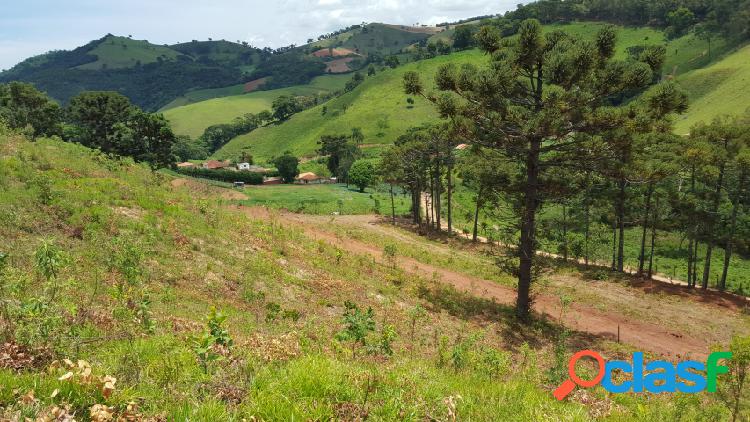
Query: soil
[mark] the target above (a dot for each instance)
(338, 65)
(253, 85)
(634, 328)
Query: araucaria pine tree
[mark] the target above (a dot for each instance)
(544, 101)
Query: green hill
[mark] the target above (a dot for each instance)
(193, 119)
(378, 38)
(121, 52)
(379, 107)
(715, 90)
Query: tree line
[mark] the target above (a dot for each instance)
(97, 119)
(555, 121)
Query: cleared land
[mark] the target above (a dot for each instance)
(121, 52)
(378, 106)
(721, 88)
(193, 119)
(147, 257)
(323, 199)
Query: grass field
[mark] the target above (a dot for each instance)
(120, 52)
(203, 95)
(716, 90)
(193, 119)
(379, 107)
(325, 199)
(140, 259)
(378, 38)
(670, 256)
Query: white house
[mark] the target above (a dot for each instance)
(243, 166)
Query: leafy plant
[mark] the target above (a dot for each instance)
(49, 259)
(203, 347)
(216, 329)
(389, 254)
(357, 324)
(733, 389)
(273, 310)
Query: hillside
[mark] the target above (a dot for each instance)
(153, 76)
(378, 38)
(379, 107)
(122, 52)
(150, 75)
(716, 90)
(118, 268)
(193, 119)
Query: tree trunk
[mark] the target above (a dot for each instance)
(695, 263)
(642, 254)
(450, 198)
(393, 206)
(587, 225)
(438, 189)
(527, 247)
(565, 233)
(690, 262)
(653, 240)
(732, 230)
(476, 215)
(710, 243)
(621, 226)
(614, 244)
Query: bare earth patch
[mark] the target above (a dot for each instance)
(649, 322)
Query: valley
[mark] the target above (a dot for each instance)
(389, 221)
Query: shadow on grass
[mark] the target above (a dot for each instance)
(658, 287)
(537, 332)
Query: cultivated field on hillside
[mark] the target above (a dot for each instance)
(379, 107)
(193, 119)
(120, 52)
(716, 90)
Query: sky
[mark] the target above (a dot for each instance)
(32, 27)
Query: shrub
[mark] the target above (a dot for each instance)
(357, 324)
(228, 176)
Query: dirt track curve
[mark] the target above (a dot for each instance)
(641, 334)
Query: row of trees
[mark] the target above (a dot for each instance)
(103, 120)
(549, 108)
(729, 18)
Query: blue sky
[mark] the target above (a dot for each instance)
(33, 27)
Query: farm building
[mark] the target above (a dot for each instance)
(309, 178)
(186, 165)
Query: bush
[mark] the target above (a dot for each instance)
(228, 176)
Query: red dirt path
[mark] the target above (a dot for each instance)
(642, 334)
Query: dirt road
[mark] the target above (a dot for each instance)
(641, 333)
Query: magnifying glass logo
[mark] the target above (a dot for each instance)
(570, 384)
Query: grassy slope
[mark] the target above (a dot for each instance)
(203, 95)
(379, 98)
(382, 97)
(670, 254)
(121, 52)
(379, 38)
(715, 90)
(188, 253)
(324, 199)
(193, 119)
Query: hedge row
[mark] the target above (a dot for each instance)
(224, 175)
